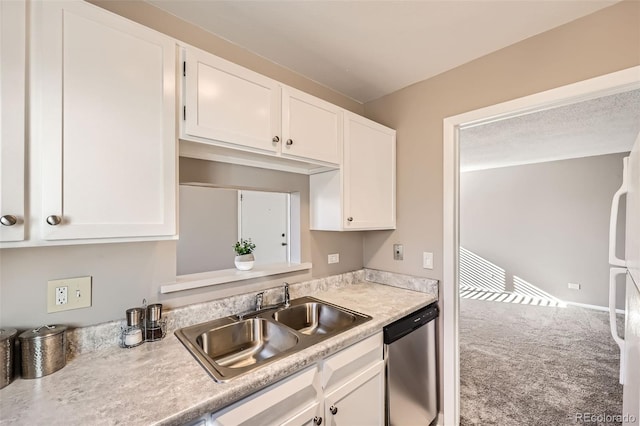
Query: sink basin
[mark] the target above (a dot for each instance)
(246, 342)
(231, 346)
(314, 318)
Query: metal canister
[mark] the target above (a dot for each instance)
(44, 350)
(7, 343)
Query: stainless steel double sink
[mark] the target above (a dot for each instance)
(230, 346)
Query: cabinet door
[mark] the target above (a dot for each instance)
(311, 127)
(104, 107)
(228, 103)
(293, 401)
(12, 119)
(369, 197)
(360, 401)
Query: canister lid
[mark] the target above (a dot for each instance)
(7, 333)
(42, 332)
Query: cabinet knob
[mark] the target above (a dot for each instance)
(333, 409)
(8, 220)
(54, 220)
(275, 139)
(289, 142)
(349, 219)
(317, 420)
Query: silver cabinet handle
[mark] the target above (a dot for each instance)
(54, 220)
(333, 409)
(317, 420)
(349, 219)
(275, 139)
(289, 142)
(8, 220)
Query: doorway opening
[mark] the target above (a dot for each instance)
(618, 82)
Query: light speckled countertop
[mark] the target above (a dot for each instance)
(161, 383)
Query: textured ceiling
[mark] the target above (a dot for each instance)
(596, 127)
(367, 49)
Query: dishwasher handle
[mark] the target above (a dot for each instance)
(411, 322)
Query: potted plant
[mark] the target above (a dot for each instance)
(244, 254)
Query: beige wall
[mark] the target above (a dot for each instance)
(604, 42)
(545, 223)
(208, 229)
(600, 43)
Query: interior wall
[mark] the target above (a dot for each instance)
(208, 229)
(597, 44)
(546, 223)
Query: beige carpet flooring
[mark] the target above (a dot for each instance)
(536, 365)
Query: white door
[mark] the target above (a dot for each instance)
(228, 103)
(12, 120)
(369, 174)
(311, 127)
(359, 402)
(264, 218)
(105, 123)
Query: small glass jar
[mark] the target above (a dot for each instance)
(132, 335)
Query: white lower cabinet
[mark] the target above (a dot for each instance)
(293, 401)
(353, 403)
(346, 388)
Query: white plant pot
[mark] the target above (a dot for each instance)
(244, 262)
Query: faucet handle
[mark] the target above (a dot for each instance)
(259, 300)
(287, 298)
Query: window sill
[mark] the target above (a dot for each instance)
(206, 279)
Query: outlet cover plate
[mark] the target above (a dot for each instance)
(574, 286)
(333, 258)
(78, 294)
(398, 252)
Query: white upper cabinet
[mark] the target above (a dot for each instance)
(311, 127)
(103, 124)
(369, 174)
(362, 194)
(230, 104)
(236, 115)
(12, 119)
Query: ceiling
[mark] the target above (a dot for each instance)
(599, 126)
(367, 49)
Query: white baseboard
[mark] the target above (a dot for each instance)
(595, 307)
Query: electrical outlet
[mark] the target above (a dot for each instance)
(61, 295)
(574, 286)
(427, 260)
(398, 252)
(68, 293)
(333, 258)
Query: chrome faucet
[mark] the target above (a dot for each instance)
(259, 300)
(287, 298)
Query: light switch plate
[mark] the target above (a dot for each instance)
(76, 291)
(427, 260)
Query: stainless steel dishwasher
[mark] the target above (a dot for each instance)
(410, 368)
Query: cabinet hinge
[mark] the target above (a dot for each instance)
(184, 112)
(184, 68)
